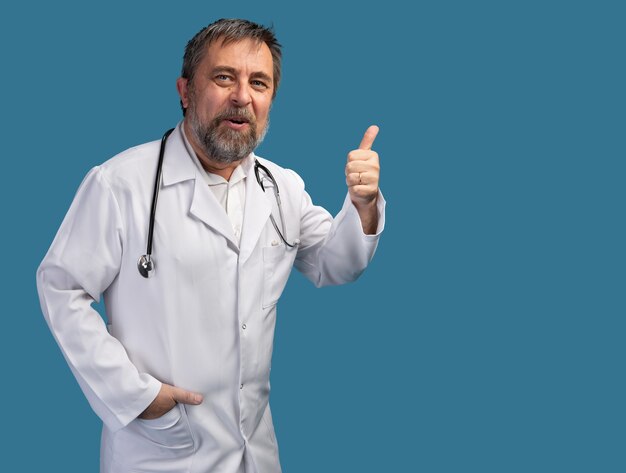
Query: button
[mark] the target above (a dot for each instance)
(241, 386)
(274, 242)
(244, 326)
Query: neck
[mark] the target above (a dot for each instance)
(209, 164)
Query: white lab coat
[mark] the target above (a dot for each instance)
(204, 321)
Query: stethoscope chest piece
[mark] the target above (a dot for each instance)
(145, 266)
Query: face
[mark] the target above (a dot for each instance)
(228, 101)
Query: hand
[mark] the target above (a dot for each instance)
(166, 400)
(362, 175)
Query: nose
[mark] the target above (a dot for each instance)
(240, 95)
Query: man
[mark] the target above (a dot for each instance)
(180, 374)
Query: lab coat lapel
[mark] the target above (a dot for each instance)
(205, 206)
(178, 167)
(257, 212)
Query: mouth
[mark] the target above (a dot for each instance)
(236, 123)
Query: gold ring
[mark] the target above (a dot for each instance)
(359, 178)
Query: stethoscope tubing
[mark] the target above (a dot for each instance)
(259, 179)
(155, 193)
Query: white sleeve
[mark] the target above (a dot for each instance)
(82, 262)
(335, 251)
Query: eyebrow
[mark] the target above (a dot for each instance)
(233, 71)
(230, 70)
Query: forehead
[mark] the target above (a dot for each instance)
(245, 55)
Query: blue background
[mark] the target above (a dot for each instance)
(488, 333)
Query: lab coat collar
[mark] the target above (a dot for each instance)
(178, 166)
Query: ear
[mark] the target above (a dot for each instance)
(183, 91)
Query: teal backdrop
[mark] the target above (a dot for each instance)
(488, 333)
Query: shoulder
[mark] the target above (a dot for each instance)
(136, 160)
(131, 170)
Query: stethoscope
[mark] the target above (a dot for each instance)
(146, 264)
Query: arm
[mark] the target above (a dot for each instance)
(336, 251)
(83, 260)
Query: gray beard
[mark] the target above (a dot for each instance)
(223, 144)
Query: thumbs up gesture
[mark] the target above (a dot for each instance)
(362, 174)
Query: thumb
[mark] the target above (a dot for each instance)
(369, 137)
(185, 397)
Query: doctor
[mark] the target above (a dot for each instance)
(180, 373)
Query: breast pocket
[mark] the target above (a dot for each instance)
(277, 263)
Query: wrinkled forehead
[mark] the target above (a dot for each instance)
(237, 49)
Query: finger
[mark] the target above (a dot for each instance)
(354, 179)
(359, 166)
(359, 179)
(185, 397)
(369, 137)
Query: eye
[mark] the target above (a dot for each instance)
(223, 78)
(259, 84)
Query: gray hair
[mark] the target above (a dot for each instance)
(230, 31)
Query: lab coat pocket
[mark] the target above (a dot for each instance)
(171, 430)
(162, 444)
(167, 420)
(274, 279)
